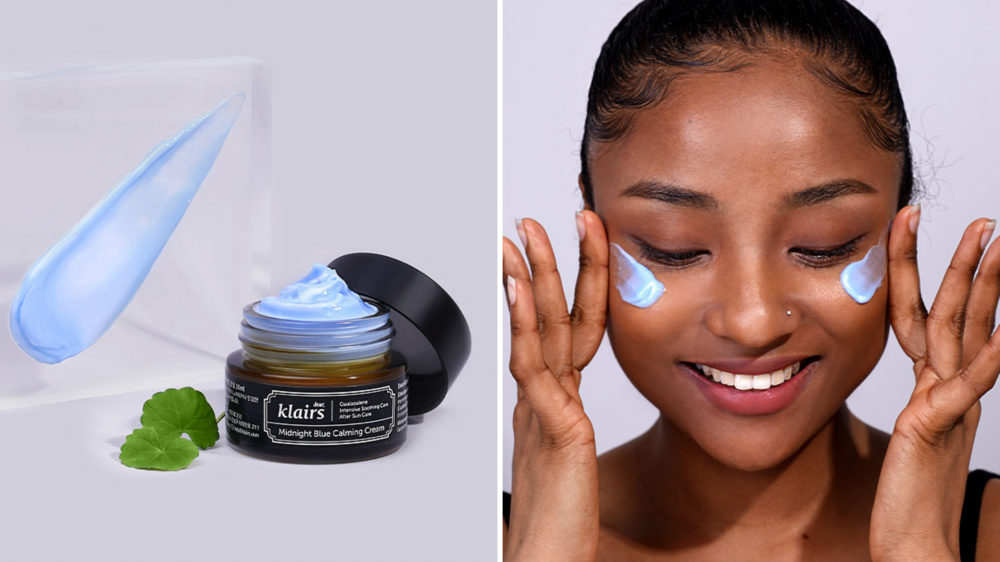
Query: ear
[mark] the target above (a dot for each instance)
(579, 183)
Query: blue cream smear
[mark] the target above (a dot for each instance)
(320, 295)
(636, 283)
(75, 291)
(862, 278)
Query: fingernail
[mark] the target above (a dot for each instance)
(581, 226)
(914, 218)
(987, 234)
(511, 290)
(521, 234)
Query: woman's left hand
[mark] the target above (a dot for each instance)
(956, 359)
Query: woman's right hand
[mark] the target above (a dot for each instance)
(554, 500)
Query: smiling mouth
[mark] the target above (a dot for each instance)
(751, 382)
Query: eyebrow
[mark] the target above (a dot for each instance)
(684, 197)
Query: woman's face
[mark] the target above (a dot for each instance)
(746, 142)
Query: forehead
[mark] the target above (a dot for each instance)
(768, 128)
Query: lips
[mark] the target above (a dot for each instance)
(754, 402)
(753, 366)
(758, 370)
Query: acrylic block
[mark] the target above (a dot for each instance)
(66, 138)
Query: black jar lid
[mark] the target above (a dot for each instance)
(431, 331)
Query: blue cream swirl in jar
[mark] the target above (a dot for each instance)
(316, 380)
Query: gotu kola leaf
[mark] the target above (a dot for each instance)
(146, 448)
(186, 410)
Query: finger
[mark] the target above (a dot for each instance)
(527, 364)
(982, 307)
(952, 398)
(590, 302)
(525, 344)
(946, 318)
(907, 312)
(550, 301)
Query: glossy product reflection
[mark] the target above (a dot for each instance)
(862, 278)
(76, 290)
(316, 379)
(635, 282)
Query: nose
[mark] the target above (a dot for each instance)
(749, 307)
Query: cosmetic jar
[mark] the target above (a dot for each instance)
(327, 391)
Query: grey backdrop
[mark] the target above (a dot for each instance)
(384, 140)
(944, 55)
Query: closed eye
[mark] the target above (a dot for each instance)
(819, 258)
(669, 259)
(828, 257)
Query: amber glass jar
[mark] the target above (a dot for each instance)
(316, 391)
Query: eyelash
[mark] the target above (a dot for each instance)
(827, 257)
(818, 258)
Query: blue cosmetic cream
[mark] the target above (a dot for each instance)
(76, 290)
(862, 278)
(635, 282)
(319, 296)
(327, 375)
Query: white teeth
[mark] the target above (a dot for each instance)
(750, 382)
(743, 382)
(727, 378)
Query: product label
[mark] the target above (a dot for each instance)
(268, 416)
(330, 418)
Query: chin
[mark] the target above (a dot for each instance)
(750, 458)
(751, 450)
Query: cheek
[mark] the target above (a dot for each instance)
(857, 326)
(644, 341)
(655, 325)
(862, 278)
(855, 336)
(647, 341)
(691, 317)
(635, 283)
(644, 309)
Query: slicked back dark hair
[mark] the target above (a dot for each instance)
(659, 40)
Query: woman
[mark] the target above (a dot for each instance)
(747, 240)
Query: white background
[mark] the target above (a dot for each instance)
(944, 54)
(384, 140)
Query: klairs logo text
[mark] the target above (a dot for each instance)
(292, 412)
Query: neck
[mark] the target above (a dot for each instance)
(828, 483)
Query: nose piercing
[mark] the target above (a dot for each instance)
(788, 312)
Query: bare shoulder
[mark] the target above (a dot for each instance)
(504, 524)
(988, 543)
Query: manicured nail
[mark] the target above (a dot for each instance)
(987, 233)
(914, 218)
(581, 226)
(511, 290)
(521, 234)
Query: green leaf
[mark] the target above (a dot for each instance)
(186, 410)
(146, 448)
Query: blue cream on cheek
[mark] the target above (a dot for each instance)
(635, 282)
(320, 295)
(76, 290)
(862, 278)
